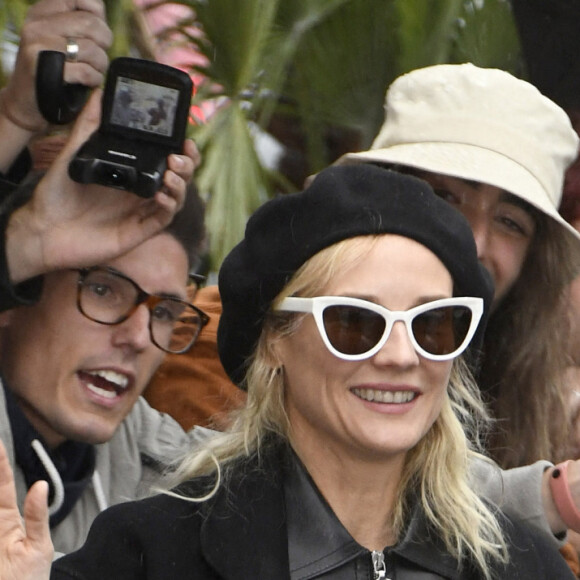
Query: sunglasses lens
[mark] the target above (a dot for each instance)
(442, 330)
(351, 329)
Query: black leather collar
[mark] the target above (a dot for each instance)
(268, 497)
(317, 541)
(320, 547)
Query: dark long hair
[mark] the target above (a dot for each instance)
(525, 346)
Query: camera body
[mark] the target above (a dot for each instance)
(144, 119)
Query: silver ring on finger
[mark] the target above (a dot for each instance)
(72, 49)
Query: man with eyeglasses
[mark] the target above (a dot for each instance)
(73, 368)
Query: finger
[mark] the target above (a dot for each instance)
(50, 33)
(574, 476)
(7, 489)
(86, 123)
(190, 149)
(79, 25)
(35, 513)
(86, 74)
(89, 69)
(48, 7)
(89, 53)
(92, 36)
(154, 219)
(174, 187)
(182, 165)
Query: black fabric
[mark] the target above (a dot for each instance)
(318, 544)
(7, 186)
(27, 292)
(321, 548)
(16, 173)
(21, 167)
(75, 462)
(342, 202)
(241, 534)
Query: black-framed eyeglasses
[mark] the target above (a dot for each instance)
(109, 297)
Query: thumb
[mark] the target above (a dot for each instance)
(35, 513)
(85, 125)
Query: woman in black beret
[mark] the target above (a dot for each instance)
(346, 312)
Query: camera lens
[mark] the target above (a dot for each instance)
(114, 176)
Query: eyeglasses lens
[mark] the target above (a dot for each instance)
(109, 299)
(354, 330)
(174, 325)
(351, 329)
(442, 330)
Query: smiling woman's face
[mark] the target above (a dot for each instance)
(503, 225)
(383, 405)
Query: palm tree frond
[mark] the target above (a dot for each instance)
(231, 177)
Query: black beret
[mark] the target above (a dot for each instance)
(342, 202)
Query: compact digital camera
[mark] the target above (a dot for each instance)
(144, 119)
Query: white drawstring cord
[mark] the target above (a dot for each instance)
(58, 499)
(99, 492)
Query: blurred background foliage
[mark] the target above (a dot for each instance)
(296, 83)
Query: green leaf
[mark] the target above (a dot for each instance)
(236, 33)
(426, 31)
(488, 36)
(231, 178)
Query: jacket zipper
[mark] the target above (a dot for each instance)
(379, 568)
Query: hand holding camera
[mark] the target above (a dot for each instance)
(145, 109)
(68, 224)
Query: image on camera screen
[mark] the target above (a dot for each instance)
(144, 106)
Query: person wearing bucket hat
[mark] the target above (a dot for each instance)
(346, 312)
(497, 149)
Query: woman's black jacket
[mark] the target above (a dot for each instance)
(241, 534)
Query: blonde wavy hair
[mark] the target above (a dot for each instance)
(435, 471)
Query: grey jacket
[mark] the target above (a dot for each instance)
(126, 467)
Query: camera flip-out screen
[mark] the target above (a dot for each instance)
(145, 111)
(144, 106)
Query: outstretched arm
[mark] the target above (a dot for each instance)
(528, 494)
(25, 546)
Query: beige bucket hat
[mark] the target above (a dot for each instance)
(479, 124)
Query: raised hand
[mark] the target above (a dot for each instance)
(68, 224)
(25, 546)
(48, 25)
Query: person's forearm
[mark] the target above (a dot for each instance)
(561, 496)
(523, 493)
(23, 252)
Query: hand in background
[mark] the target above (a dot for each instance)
(48, 25)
